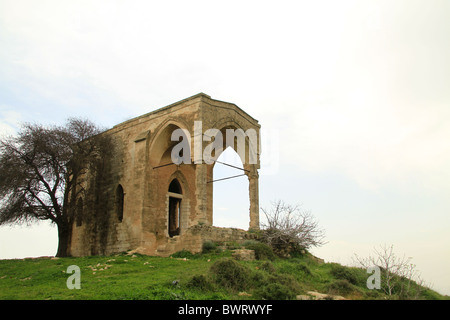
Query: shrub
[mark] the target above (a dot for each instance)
(290, 230)
(343, 273)
(257, 279)
(208, 246)
(268, 267)
(304, 269)
(341, 287)
(183, 254)
(287, 280)
(262, 251)
(200, 282)
(276, 291)
(230, 274)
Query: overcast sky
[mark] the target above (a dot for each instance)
(353, 98)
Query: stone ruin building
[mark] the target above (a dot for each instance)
(151, 205)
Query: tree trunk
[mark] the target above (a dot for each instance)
(64, 234)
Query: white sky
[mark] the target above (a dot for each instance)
(353, 98)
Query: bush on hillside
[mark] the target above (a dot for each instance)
(268, 267)
(262, 251)
(208, 246)
(343, 273)
(289, 230)
(200, 282)
(228, 273)
(340, 287)
(276, 291)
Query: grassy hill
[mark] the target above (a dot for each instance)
(214, 275)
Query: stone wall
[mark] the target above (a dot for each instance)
(192, 240)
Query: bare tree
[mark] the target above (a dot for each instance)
(289, 229)
(398, 274)
(39, 171)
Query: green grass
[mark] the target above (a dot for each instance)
(140, 277)
(143, 277)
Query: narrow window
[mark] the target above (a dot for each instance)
(119, 202)
(79, 212)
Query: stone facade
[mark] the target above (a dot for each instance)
(145, 202)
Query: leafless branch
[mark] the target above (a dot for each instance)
(289, 228)
(398, 273)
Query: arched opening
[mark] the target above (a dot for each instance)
(175, 187)
(231, 201)
(119, 202)
(79, 212)
(171, 146)
(175, 198)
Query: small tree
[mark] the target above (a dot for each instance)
(288, 229)
(399, 276)
(39, 171)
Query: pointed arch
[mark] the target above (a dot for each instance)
(244, 139)
(175, 187)
(181, 181)
(231, 201)
(161, 144)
